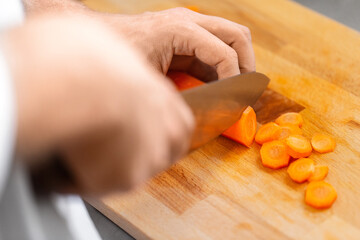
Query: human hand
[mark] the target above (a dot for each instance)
(85, 92)
(179, 38)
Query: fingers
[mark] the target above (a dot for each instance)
(161, 129)
(193, 40)
(181, 125)
(193, 66)
(177, 122)
(233, 34)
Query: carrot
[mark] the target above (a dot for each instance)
(323, 143)
(319, 174)
(292, 118)
(320, 194)
(193, 8)
(267, 133)
(274, 155)
(301, 170)
(184, 81)
(298, 146)
(243, 131)
(287, 130)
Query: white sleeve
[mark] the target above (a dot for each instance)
(7, 121)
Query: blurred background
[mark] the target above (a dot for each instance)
(344, 11)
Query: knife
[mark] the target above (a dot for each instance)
(218, 105)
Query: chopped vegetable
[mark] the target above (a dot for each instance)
(301, 170)
(184, 81)
(298, 146)
(323, 143)
(274, 155)
(292, 118)
(280, 140)
(287, 130)
(267, 133)
(319, 174)
(243, 131)
(320, 194)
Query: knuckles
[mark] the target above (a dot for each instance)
(246, 33)
(231, 54)
(181, 11)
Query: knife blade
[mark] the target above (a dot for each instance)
(218, 105)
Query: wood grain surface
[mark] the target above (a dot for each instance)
(221, 191)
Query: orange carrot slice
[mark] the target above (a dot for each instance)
(274, 155)
(301, 170)
(287, 130)
(292, 118)
(323, 143)
(320, 194)
(319, 174)
(193, 8)
(184, 81)
(267, 133)
(298, 146)
(243, 131)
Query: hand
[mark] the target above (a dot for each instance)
(207, 47)
(82, 90)
(166, 37)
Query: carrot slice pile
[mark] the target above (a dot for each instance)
(287, 130)
(267, 132)
(280, 140)
(274, 155)
(323, 143)
(319, 174)
(320, 194)
(243, 131)
(290, 118)
(298, 146)
(184, 81)
(301, 170)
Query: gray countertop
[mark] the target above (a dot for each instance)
(344, 11)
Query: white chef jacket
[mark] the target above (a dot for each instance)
(22, 214)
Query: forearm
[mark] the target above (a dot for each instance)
(38, 6)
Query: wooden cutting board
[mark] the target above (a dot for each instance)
(222, 191)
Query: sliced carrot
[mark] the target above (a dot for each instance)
(323, 143)
(292, 118)
(184, 81)
(193, 8)
(267, 133)
(320, 194)
(274, 155)
(243, 131)
(319, 174)
(301, 170)
(298, 146)
(287, 130)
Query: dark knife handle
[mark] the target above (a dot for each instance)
(52, 175)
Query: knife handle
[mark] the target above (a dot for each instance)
(52, 175)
